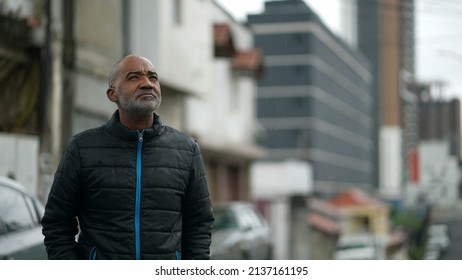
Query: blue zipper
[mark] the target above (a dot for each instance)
(138, 194)
(92, 255)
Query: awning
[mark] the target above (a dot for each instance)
(323, 223)
(249, 61)
(223, 40)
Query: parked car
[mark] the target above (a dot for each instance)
(431, 254)
(438, 237)
(240, 232)
(20, 230)
(356, 247)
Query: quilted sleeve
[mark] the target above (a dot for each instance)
(59, 223)
(197, 212)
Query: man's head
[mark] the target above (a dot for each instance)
(134, 86)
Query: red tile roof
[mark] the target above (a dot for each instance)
(355, 197)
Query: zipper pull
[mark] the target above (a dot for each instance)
(140, 136)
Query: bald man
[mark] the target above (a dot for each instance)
(132, 188)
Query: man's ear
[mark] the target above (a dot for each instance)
(111, 95)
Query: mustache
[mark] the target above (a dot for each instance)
(140, 92)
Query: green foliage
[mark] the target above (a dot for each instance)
(417, 252)
(415, 226)
(408, 221)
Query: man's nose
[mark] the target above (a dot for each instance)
(145, 82)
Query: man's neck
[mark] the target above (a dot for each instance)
(136, 121)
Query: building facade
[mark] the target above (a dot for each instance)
(386, 37)
(440, 120)
(314, 99)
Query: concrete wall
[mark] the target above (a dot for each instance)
(185, 50)
(20, 159)
(225, 114)
(440, 173)
(390, 162)
(99, 42)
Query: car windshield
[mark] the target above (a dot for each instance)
(224, 219)
(351, 246)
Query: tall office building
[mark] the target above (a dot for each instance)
(386, 37)
(314, 98)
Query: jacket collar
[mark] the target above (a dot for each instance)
(118, 130)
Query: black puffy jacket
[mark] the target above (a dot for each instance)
(137, 195)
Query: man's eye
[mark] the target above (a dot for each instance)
(132, 77)
(154, 78)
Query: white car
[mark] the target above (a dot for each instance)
(432, 255)
(438, 229)
(356, 247)
(438, 237)
(20, 229)
(240, 232)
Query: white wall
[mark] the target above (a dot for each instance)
(390, 172)
(279, 222)
(226, 115)
(185, 51)
(182, 54)
(92, 95)
(145, 19)
(285, 178)
(439, 173)
(19, 157)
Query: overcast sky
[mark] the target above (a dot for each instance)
(438, 35)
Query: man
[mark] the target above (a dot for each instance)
(135, 187)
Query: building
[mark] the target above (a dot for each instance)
(440, 120)
(25, 116)
(385, 34)
(223, 119)
(439, 174)
(314, 99)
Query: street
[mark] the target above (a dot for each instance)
(454, 251)
(452, 216)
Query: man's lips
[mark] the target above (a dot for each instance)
(147, 94)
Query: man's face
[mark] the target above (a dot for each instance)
(137, 87)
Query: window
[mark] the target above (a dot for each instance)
(15, 214)
(224, 219)
(256, 219)
(245, 220)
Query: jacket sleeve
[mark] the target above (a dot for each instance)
(59, 223)
(197, 212)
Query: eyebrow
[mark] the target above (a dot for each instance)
(141, 73)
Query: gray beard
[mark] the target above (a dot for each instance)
(138, 106)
